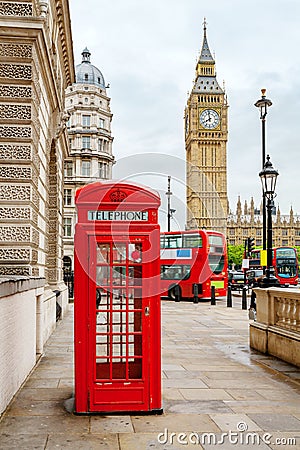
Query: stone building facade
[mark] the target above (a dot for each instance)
(35, 69)
(247, 222)
(206, 130)
(89, 131)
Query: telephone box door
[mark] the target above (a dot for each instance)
(118, 324)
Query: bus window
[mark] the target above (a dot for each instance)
(215, 244)
(173, 241)
(192, 241)
(175, 272)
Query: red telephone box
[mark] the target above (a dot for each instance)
(117, 299)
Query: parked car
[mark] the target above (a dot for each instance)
(236, 281)
(253, 276)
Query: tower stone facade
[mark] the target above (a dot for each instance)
(90, 139)
(206, 132)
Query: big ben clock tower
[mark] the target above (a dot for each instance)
(205, 143)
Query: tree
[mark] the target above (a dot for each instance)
(235, 255)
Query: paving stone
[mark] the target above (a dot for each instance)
(245, 394)
(285, 407)
(198, 407)
(156, 441)
(241, 441)
(205, 394)
(276, 422)
(45, 393)
(111, 424)
(13, 441)
(83, 442)
(172, 394)
(234, 422)
(23, 407)
(32, 425)
(285, 440)
(178, 383)
(42, 382)
(185, 422)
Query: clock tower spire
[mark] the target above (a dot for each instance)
(206, 129)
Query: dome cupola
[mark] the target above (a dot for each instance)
(86, 73)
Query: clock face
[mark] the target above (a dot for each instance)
(209, 118)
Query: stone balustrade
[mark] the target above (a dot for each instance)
(276, 330)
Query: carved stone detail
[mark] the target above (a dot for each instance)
(15, 192)
(34, 217)
(52, 275)
(34, 256)
(15, 91)
(15, 50)
(21, 173)
(35, 198)
(11, 270)
(15, 132)
(16, 71)
(35, 236)
(14, 234)
(35, 271)
(15, 151)
(14, 213)
(7, 254)
(21, 112)
(15, 9)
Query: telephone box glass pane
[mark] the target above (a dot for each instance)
(119, 253)
(103, 276)
(119, 274)
(119, 311)
(135, 275)
(103, 253)
(135, 252)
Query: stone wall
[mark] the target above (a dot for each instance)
(277, 327)
(21, 332)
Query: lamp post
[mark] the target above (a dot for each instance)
(268, 178)
(170, 210)
(263, 104)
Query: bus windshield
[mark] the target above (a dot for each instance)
(216, 258)
(286, 262)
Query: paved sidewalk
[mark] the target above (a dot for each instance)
(212, 383)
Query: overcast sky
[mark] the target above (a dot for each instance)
(147, 52)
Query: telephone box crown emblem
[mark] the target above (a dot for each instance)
(117, 196)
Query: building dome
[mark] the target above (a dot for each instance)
(86, 73)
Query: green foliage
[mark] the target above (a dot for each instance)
(298, 253)
(235, 255)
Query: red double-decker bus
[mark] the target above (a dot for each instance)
(194, 257)
(284, 262)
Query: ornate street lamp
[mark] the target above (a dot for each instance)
(268, 178)
(263, 104)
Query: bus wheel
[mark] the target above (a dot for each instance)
(173, 295)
